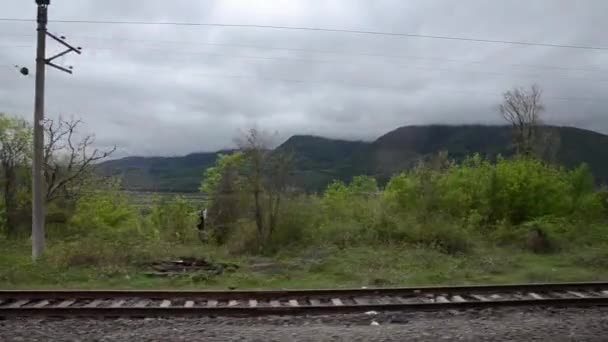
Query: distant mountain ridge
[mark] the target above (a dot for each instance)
(320, 160)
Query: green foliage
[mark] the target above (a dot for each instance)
(15, 153)
(224, 186)
(103, 212)
(345, 201)
(480, 192)
(350, 211)
(450, 206)
(319, 161)
(174, 220)
(225, 164)
(298, 218)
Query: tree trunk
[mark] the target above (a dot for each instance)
(259, 222)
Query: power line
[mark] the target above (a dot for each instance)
(399, 65)
(362, 86)
(319, 29)
(348, 53)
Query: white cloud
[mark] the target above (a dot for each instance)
(166, 90)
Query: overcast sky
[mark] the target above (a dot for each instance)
(172, 90)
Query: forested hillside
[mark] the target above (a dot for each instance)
(319, 160)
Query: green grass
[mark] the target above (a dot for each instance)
(322, 267)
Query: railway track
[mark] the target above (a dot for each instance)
(183, 303)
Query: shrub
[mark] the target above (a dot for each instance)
(356, 204)
(120, 249)
(442, 235)
(298, 218)
(244, 239)
(174, 220)
(515, 190)
(103, 212)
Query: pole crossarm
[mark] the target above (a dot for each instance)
(70, 48)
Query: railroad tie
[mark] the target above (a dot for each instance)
(384, 300)
(165, 304)
(275, 303)
(535, 295)
(458, 299)
(361, 301)
(337, 302)
(441, 299)
(315, 302)
(253, 303)
(233, 302)
(294, 302)
(18, 303)
(578, 294)
(41, 303)
(142, 303)
(212, 303)
(117, 304)
(66, 303)
(94, 303)
(480, 298)
(189, 304)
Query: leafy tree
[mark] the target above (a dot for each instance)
(267, 174)
(223, 184)
(15, 151)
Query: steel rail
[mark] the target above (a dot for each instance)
(279, 302)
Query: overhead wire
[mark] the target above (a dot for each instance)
(333, 52)
(321, 29)
(306, 60)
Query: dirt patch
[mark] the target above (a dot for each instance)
(188, 266)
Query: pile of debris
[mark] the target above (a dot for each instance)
(189, 266)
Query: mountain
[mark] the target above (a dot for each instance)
(320, 160)
(165, 174)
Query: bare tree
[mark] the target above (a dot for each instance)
(547, 144)
(267, 176)
(15, 151)
(522, 108)
(68, 159)
(280, 165)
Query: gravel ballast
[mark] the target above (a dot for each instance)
(515, 324)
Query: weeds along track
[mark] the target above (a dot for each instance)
(114, 303)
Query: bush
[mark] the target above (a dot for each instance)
(298, 218)
(121, 249)
(448, 207)
(174, 220)
(244, 239)
(350, 212)
(103, 213)
(443, 235)
(515, 190)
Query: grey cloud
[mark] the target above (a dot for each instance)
(167, 90)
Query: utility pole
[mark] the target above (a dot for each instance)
(38, 186)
